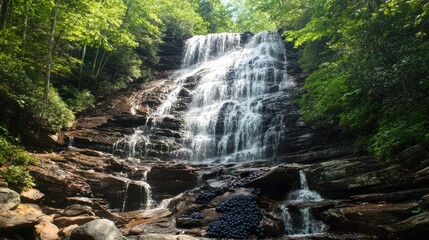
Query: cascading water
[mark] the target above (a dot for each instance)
(304, 223)
(233, 115)
(228, 119)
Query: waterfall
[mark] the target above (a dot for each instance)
(228, 119)
(233, 114)
(301, 222)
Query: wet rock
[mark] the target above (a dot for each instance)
(170, 180)
(9, 199)
(101, 229)
(25, 215)
(103, 212)
(415, 227)
(182, 222)
(165, 237)
(278, 182)
(345, 177)
(412, 156)
(424, 202)
(147, 214)
(76, 210)
(413, 194)
(273, 227)
(63, 222)
(31, 196)
(57, 183)
(371, 219)
(45, 230)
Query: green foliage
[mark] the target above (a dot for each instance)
(368, 64)
(247, 18)
(13, 163)
(81, 101)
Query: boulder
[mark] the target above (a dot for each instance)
(63, 222)
(66, 232)
(76, 210)
(9, 199)
(278, 182)
(45, 230)
(273, 227)
(101, 229)
(25, 215)
(31, 196)
(411, 157)
(415, 227)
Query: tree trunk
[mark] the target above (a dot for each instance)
(27, 12)
(81, 64)
(4, 7)
(50, 49)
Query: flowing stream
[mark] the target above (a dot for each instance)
(301, 221)
(234, 113)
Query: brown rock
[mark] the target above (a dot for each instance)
(63, 222)
(424, 202)
(9, 199)
(65, 233)
(165, 237)
(345, 177)
(137, 230)
(411, 157)
(148, 214)
(279, 181)
(169, 180)
(46, 231)
(413, 194)
(371, 219)
(189, 222)
(76, 210)
(31, 196)
(415, 227)
(273, 227)
(24, 215)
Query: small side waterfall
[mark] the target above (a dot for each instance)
(301, 221)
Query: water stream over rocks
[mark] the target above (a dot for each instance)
(216, 149)
(234, 93)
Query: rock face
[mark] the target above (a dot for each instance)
(170, 180)
(9, 199)
(101, 229)
(346, 177)
(25, 215)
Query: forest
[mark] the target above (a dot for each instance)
(367, 62)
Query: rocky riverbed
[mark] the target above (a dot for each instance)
(315, 187)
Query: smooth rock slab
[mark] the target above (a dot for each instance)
(76, 210)
(101, 229)
(9, 199)
(24, 215)
(31, 196)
